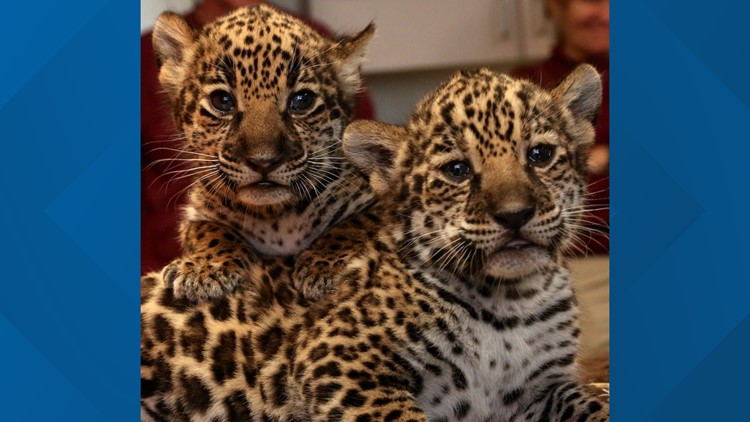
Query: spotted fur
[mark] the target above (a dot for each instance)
(460, 307)
(270, 175)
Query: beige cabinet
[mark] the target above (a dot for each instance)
(424, 34)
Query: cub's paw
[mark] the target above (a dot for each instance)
(200, 280)
(596, 407)
(314, 278)
(598, 389)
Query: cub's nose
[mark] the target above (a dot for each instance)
(263, 165)
(516, 219)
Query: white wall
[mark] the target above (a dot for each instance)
(150, 9)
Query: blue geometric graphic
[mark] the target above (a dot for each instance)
(69, 182)
(680, 138)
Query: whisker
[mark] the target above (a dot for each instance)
(182, 151)
(187, 172)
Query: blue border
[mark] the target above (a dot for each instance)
(69, 211)
(680, 138)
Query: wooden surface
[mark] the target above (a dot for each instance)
(591, 283)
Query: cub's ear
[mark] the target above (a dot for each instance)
(172, 37)
(581, 92)
(372, 147)
(350, 52)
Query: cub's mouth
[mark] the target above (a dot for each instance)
(265, 184)
(516, 258)
(516, 244)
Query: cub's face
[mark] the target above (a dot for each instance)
(491, 171)
(261, 100)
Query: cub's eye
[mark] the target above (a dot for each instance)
(301, 101)
(540, 154)
(457, 170)
(222, 101)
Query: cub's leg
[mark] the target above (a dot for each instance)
(214, 263)
(347, 403)
(338, 383)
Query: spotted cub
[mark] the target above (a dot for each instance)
(460, 308)
(261, 101)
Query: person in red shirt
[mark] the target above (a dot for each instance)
(162, 198)
(583, 37)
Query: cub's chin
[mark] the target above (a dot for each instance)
(266, 193)
(517, 262)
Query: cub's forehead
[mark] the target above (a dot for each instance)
(484, 95)
(485, 103)
(257, 51)
(247, 31)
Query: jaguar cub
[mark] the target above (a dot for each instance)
(261, 100)
(460, 308)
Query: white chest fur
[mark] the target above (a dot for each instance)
(508, 353)
(286, 235)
